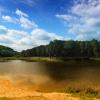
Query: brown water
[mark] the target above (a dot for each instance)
(51, 75)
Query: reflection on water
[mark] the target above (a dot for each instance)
(41, 73)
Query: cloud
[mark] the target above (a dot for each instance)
(20, 13)
(26, 23)
(83, 19)
(41, 36)
(23, 20)
(8, 19)
(21, 40)
(65, 17)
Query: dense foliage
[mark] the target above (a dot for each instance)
(6, 51)
(58, 48)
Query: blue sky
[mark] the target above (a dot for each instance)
(28, 23)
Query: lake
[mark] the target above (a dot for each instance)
(51, 76)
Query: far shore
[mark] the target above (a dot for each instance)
(48, 59)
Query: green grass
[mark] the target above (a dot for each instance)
(49, 59)
(30, 59)
(85, 94)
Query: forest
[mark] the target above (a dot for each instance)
(59, 48)
(7, 52)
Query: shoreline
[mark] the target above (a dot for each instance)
(48, 59)
(45, 96)
(42, 96)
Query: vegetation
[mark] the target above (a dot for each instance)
(6, 52)
(40, 59)
(58, 48)
(83, 93)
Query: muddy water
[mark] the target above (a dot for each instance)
(43, 75)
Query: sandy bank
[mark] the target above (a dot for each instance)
(9, 91)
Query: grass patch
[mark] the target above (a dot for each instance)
(40, 59)
(50, 59)
(83, 93)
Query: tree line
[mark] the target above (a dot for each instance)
(7, 52)
(59, 48)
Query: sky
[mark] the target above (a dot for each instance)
(25, 24)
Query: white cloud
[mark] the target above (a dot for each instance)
(41, 36)
(64, 17)
(83, 19)
(20, 13)
(20, 40)
(23, 20)
(8, 19)
(26, 23)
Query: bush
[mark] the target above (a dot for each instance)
(72, 90)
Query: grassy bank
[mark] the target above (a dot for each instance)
(69, 61)
(32, 59)
(84, 93)
(49, 59)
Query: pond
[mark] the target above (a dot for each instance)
(47, 76)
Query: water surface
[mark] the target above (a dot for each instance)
(51, 75)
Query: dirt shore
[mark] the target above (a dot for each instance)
(9, 91)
